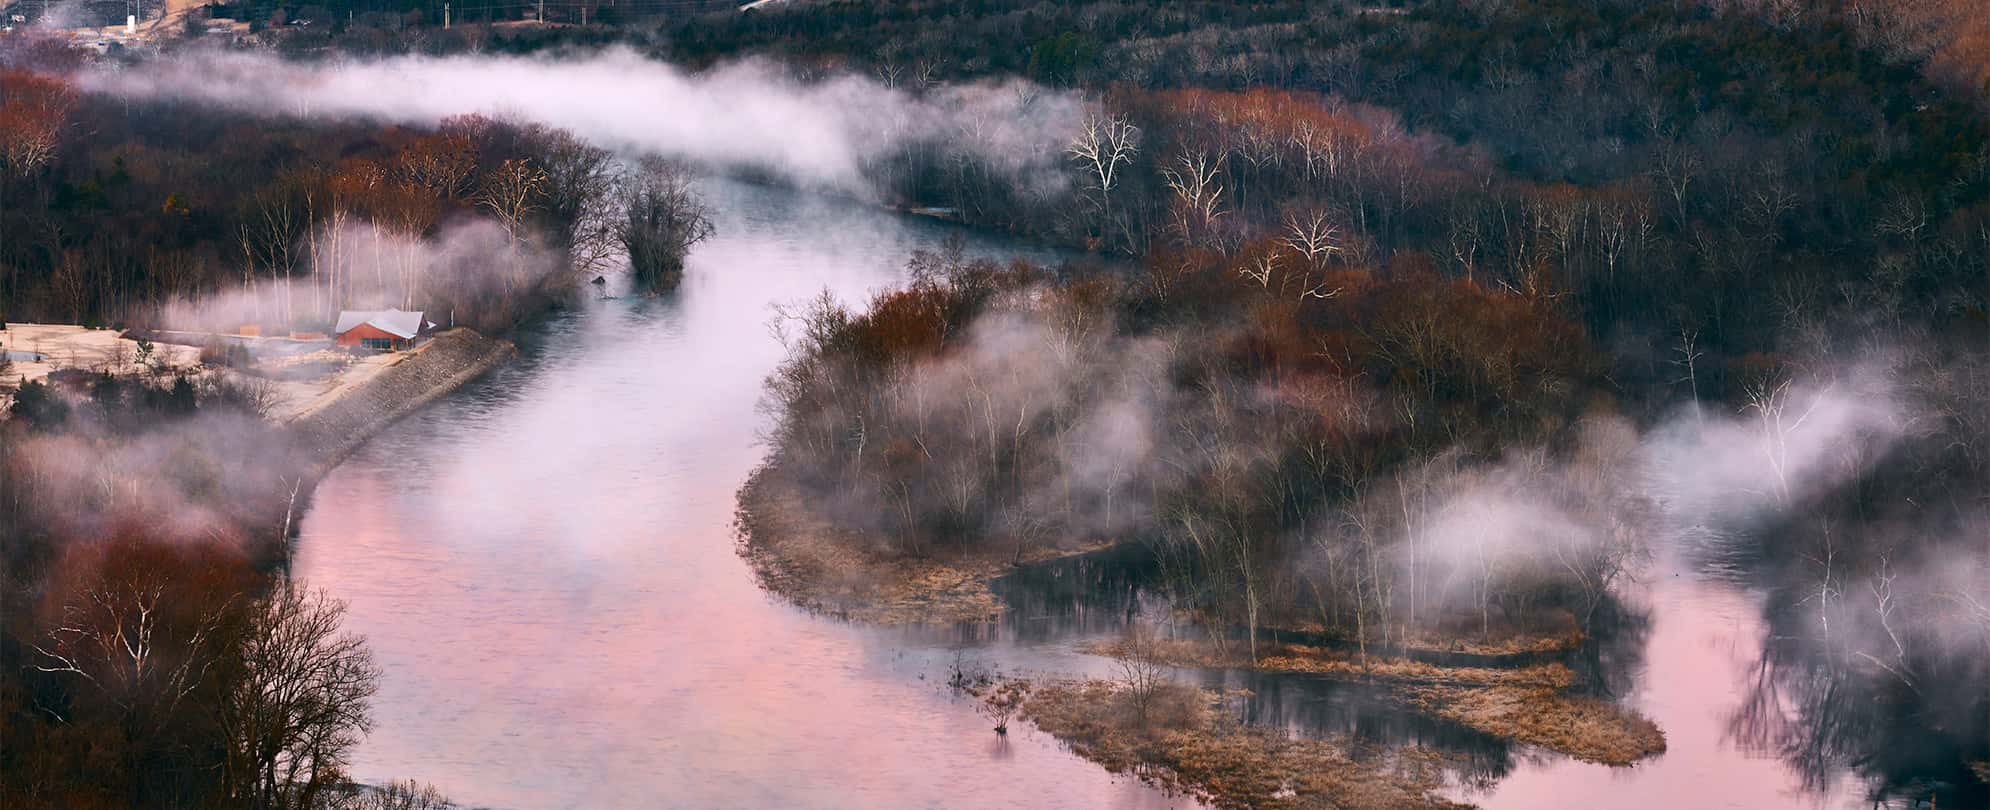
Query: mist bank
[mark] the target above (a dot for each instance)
(1876, 577)
(197, 217)
(829, 132)
(465, 184)
(467, 269)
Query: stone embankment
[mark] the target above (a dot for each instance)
(335, 428)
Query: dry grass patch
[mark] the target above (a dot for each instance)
(1581, 727)
(1318, 661)
(1553, 631)
(1187, 743)
(1518, 644)
(1529, 704)
(1405, 671)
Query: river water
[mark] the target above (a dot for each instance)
(544, 566)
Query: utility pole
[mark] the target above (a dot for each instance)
(542, 12)
(445, 16)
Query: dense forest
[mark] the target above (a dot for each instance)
(1741, 158)
(1376, 318)
(1449, 271)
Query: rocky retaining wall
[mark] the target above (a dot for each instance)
(445, 363)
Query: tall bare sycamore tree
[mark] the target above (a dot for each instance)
(1105, 144)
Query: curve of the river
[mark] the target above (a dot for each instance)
(544, 566)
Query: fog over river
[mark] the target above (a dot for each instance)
(544, 565)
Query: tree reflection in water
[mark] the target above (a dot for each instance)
(1823, 708)
(1096, 595)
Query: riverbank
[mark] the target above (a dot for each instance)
(1184, 739)
(335, 424)
(1528, 703)
(1513, 688)
(1188, 739)
(799, 556)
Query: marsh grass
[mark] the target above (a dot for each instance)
(1187, 742)
(1529, 704)
(806, 561)
(1578, 726)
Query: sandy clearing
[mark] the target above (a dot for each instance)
(65, 346)
(69, 346)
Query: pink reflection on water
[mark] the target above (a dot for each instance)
(522, 676)
(544, 568)
(1704, 638)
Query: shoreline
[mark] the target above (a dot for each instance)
(1531, 703)
(1184, 739)
(338, 424)
(1515, 690)
(797, 556)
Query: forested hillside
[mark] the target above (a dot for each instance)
(1414, 328)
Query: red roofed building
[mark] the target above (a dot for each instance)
(385, 330)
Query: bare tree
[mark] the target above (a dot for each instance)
(114, 636)
(400, 795)
(1778, 421)
(271, 230)
(1623, 226)
(443, 164)
(930, 72)
(1002, 703)
(1312, 235)
(1104, 144)
(36, 109)
(1827, 581)
(1886, 602)
(1262, 268)
(1196, 181)
(1904, 216)
(296, 704)
(1141, 669)
(1688, 360)
(250, 393)
(580, 181)
(1767, 200)
(661, 219)
(73, 282)
(1677, 167)
(511, 193)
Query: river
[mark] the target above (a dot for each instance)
(544, 566)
